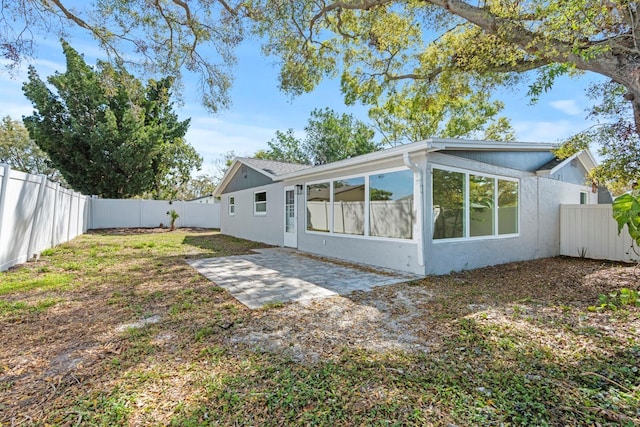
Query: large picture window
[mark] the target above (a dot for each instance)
(348, 206)
(391, 204)
(318, 204)
(473, 205)
(379, 205)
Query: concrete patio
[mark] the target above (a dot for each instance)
(282, 275)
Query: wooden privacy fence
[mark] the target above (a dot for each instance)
(36, 214)
(591, 231)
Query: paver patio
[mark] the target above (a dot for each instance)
(283, 275)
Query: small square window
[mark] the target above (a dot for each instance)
(260, 203)
(232, 205)
(583, 198)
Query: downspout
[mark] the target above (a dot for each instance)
(417, 171)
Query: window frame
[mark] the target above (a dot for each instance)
(255, 203)
(366, 175)
(584, 194)
(232, 205)
(467, 211)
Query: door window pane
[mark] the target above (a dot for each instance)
(448, 204)
(348, 206)
(391, 204)
(318, 201)
(481, 205)
(507, 207)
(289, 211)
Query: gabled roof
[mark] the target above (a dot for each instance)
(270, 168)
(585, 157)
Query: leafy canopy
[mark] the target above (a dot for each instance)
(107, 133)
(329, 137)
(20, 152)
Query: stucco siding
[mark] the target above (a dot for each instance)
(539, 222)
(244, 223)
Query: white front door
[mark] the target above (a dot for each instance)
(290, 218)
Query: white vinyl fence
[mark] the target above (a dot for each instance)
(114, 213)
(592, 231)
(36, 214)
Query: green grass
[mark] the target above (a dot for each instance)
(523, 360)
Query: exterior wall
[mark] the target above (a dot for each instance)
(525, 161)
(572, 172)
(245, 178)
(116, 213)
(539, 226)
(397, 254)
(267, 228)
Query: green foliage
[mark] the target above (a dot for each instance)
(106, 133)
(20, 152)
(617, 300)
(173, 216)
(626, 211)
(329, 137)
(159, 37)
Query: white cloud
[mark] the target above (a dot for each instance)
(567, 106)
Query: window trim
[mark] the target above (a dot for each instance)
(467, 213)
(414, 238)
(232, 205)
(255, 203)
(584, 194)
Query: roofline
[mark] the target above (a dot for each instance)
(578, 155)
(237, 161)
(427, 145)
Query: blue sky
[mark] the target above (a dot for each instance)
(259, 109)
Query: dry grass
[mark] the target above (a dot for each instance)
(115, 328)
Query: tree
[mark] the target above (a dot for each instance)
(445, 50)
(157, 37)
(329, 137)
(106, 133)
(20, 152)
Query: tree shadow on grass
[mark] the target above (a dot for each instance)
(217, 245)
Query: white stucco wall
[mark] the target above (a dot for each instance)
(267, 228)
(539, 226)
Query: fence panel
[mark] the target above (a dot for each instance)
(34, 216)
(592, 231)
(114, 213)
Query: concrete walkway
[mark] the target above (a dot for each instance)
(282, 275)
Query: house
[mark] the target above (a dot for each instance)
(209, 199)
(430, 207)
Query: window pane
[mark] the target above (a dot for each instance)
(261, 207)
(448, 204)
(261, 197)
(318, 207)
(507, 207)
(391, 204)
(348, 206)
(482, 205)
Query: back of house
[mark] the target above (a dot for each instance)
(429, 207)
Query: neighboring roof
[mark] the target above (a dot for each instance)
(584, 156)
(199, 198)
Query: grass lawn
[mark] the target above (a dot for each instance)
(114, 328)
